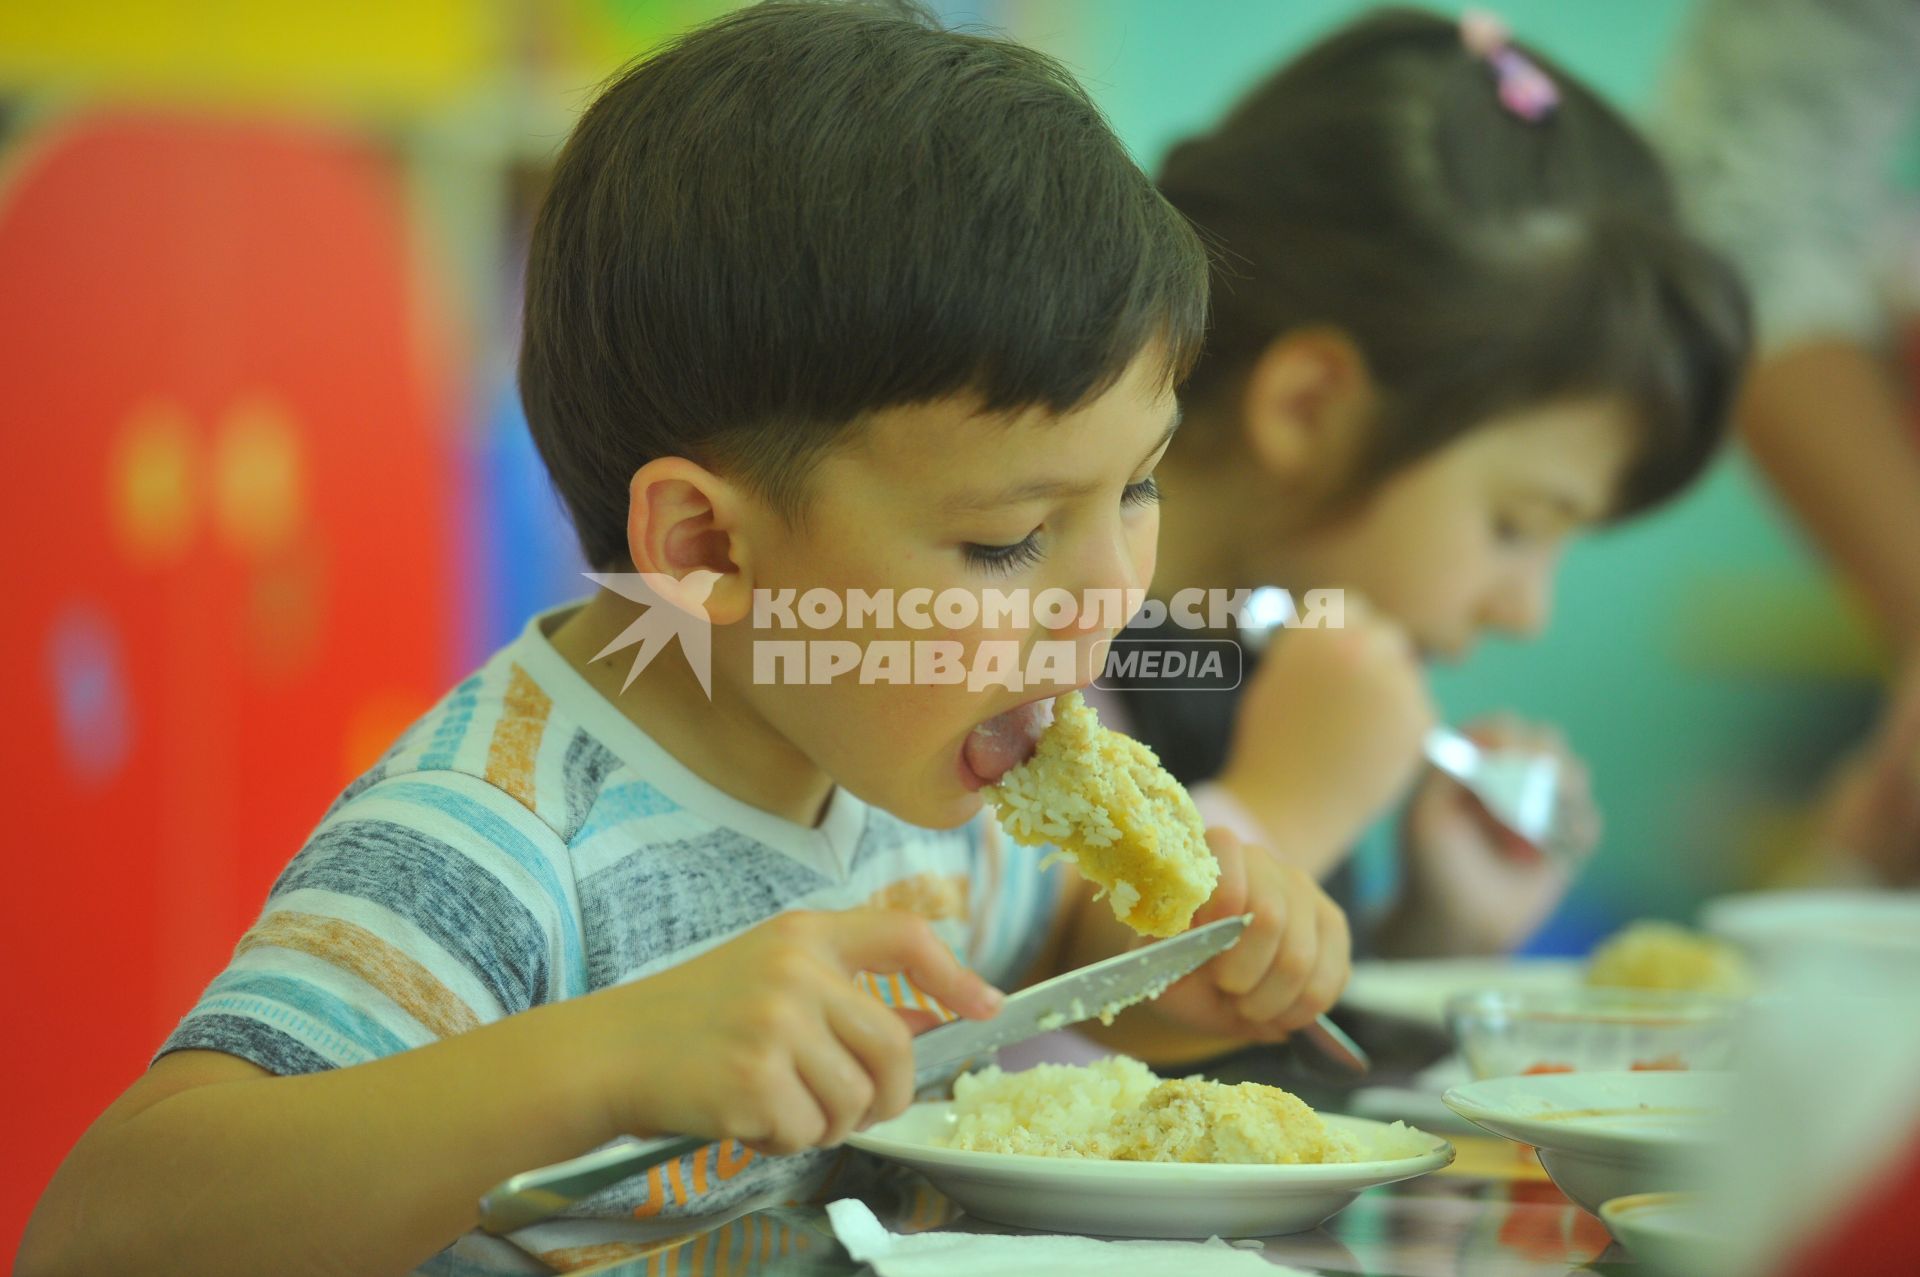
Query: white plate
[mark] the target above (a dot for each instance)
(1669, 1233)
(1604, 1135)
(1418, 990)
(1139, 1199)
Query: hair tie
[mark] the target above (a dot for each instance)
(1524, 89)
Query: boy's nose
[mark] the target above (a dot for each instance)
(1110, 579)
(1105, 586)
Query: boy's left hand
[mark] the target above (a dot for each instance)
(1473, 885)
(1288, 966)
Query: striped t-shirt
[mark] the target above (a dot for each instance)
(525, 842)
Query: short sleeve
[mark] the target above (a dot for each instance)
(422, 907)
(1782, 121)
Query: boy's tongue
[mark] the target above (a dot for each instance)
(1006, 740)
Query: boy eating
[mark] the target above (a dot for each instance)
(822, 298)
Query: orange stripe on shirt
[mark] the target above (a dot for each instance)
(898, 991)
(733, 1158)
(934, 897)
(516, 737)
(679, 1189)
(656, 1196)
(352, 947)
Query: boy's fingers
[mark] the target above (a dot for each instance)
(1335, 963)
(1293, 965)
(841, 1088)
(1240, 969)
(878, 1039)
(890, 941)
(916, 1020)
(1230, 893)
(791, 1119)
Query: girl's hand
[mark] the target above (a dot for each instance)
(1473, 886)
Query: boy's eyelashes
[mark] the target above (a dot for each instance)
(1025, 552)
(1004, 558)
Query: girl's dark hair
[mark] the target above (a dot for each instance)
(803, 212)
(1482, 263)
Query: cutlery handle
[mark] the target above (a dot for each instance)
(546, 1191)
(1333, 1043)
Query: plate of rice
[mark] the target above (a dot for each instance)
(1113, 1150)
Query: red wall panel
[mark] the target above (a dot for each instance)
(225, 456)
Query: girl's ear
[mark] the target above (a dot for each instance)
(684, 522)
(1306, 407)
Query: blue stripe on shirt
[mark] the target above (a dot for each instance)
(305, 1011)
(618, 804)
(451, 730)
(457, 902)
(497, 832)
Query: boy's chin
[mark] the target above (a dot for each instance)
(949, 807)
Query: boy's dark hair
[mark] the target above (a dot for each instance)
(1482, 263)
(804, 212)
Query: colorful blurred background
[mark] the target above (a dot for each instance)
(268, 491)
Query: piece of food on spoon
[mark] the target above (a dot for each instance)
(1103, 800)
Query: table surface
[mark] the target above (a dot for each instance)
(1493, 1213)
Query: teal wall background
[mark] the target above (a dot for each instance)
(1698, 658)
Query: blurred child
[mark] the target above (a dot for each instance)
(825, 297)
(1456, 323)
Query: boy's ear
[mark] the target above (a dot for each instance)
(1306, 407)
(686, 522)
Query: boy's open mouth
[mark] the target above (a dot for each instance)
(1003, 742)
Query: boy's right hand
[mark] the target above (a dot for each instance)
(767, 1039)
(1329, 732)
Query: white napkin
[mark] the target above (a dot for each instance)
(966, 1254)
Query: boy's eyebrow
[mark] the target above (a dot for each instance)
(1040, 488)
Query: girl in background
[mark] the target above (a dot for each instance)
(1457, 322)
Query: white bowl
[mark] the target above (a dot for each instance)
(1669, 1233)
(1604, 1135)
(1142, 1199)
(1774, 924)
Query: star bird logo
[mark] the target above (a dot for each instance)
(675, 610)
